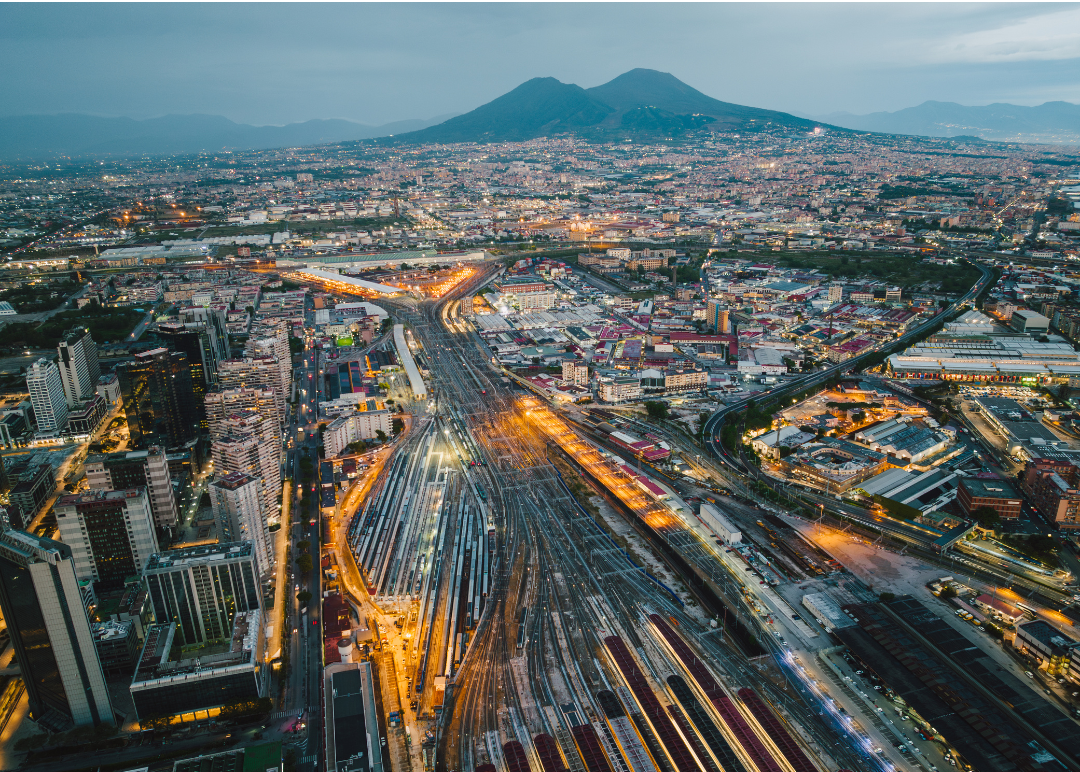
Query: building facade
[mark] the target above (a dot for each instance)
(111, 533)
(973, 493)
(50, 632)
(79, 368)
(239, 515)
(202, 588)
(159, 399)
(46, 388)
(1053, 486)
(138, 469)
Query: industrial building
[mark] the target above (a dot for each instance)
(826, 611)
(406, 358)
(719, 524)
(903, 438)
(926, 491)
(343, 283)
(985, 358)
(1054, 650)
(949, 681)
(999, 495)
(833, 465)
(353, 742)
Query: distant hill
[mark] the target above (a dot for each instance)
(637, 102)
(30, 137)
(1052, 122)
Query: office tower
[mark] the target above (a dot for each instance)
(138, 469)
(158, 398)
(32, 485)
(202, 588)
(222, 402)
(716, 317)
(46, 389)
(836, 293)
(254, 373)
(111, 533)
(238, 510)
(50, 633)
(79, 368)
(204, 345)
(250, 443)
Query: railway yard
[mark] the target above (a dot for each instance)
(532, 636)
(533, 640)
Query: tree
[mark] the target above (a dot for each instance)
(657, 411)
(304, 545)
(304, 563)
(885, 597)
(985, 516)
(397, 425)
(381, 435)
(303, 596)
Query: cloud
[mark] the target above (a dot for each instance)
(1045, 37)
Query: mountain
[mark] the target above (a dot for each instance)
(1052, 122)
(637, 102)
(537, 108)
(28, 137)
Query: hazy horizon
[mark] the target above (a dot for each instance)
(276, 64)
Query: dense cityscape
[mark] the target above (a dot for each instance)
(725, 451)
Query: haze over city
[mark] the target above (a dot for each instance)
(376, 63)
(540, 388)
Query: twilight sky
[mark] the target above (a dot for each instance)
(374, 63)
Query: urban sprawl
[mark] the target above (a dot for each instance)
(749, 452)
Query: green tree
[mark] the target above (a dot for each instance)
(304, 545)
(985, 516)
(381, 435)
(303, 596)
(304, 563)
(657, 411)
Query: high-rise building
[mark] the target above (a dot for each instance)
(203, 588)
(50, 632)
(717, 317)
(261, 373)
(204, 345)
(270, 338)
(32, 483)
(836, 293)
(221, 403)
(138, 469)
(159, 400)
(111, 533)
(79, 368)
(238, 510)
(46, 389)
(252, 454)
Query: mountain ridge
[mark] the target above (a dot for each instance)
(31, 137)
(999, 122)
(639, 101)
